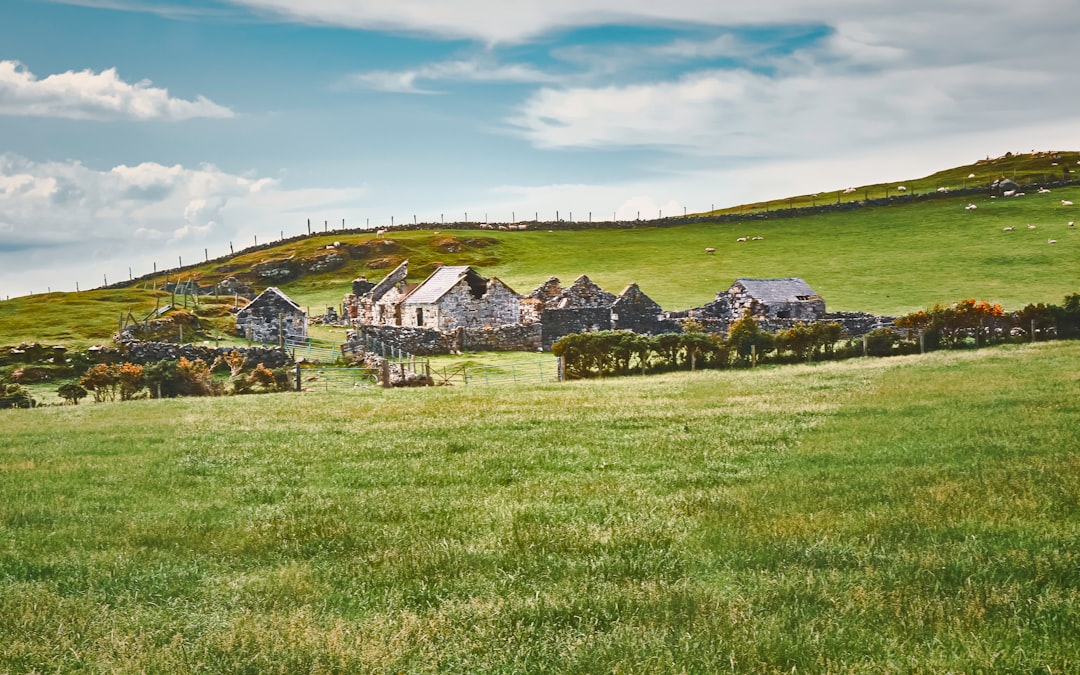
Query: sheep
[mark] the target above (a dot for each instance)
(1051, 241)
(850, 190)
(901, 188)
(1018, 194)
(757, 238)
(943, 189)
(1066, 202)
(741, 239)
(1030, 226)
(1008, 193)
(970, 207)
(1071, 224)
(1010, 228)
(380, 233)
(710, 250)
(971, 175)
(1043, 191)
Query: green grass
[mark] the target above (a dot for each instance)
(914, 514)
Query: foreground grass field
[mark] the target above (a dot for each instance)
(888, 515)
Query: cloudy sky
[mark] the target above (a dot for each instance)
(135, 132)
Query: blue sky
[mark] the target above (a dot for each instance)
(135, 132)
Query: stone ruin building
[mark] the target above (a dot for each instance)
(457, 309)
(271, 316)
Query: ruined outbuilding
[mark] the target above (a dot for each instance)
(378, 304)
(270, 317)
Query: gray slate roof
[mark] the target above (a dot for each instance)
(792, 289)
(435, 286)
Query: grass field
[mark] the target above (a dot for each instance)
(913, 514)
(888, 260)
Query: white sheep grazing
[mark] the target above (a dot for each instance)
(1072, 224)
(1043, 191)
(1030, 226)
(970, 207)
(380, 233)
(1051, 241)
(710, 250)
(901, 188)
(741, 239)
(943, 189)
(849, 190)
(971, 175)
(757, 238)
(1008, 229)
(1066, 202)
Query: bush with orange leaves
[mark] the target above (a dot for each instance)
(953, 323)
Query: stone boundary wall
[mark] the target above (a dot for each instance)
(428, 342)
(134, 351)
(510, 338)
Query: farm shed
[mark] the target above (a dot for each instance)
(790, 298)
(456, 296)
(271, 315)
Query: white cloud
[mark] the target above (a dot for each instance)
(63, 221)
(497, 21)
(405, 81)
(89, 95)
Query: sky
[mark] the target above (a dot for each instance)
(139, 134)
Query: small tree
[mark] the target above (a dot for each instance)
(746, 337)
(103, 380)
(72, 393)
(130, 379)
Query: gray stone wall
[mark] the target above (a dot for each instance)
(517, 338)
(427, 342)
(134, 351)
(559, 322)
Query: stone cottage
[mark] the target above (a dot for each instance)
(790, 298)
(458, 297)
(271, 316)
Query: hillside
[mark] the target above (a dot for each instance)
(901, 256)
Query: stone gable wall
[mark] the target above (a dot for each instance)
(635, 311)
(582, 293)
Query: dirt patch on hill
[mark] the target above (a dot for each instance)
(448, 244)
(384, 262)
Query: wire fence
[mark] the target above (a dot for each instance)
(543, 371)
(338, 380)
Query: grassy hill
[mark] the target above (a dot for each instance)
(913, 514)
(885, 259)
